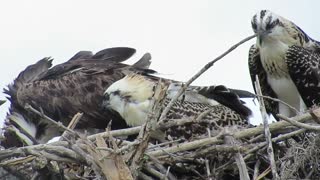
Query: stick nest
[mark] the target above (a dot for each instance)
(107, 156)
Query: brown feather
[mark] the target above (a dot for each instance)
(74, 86)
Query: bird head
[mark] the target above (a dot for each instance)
(270, 27)
(128, 93)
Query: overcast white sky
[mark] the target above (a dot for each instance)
(181, 35)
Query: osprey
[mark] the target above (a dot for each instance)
(131, 98)
(283, 59)
(63, 90)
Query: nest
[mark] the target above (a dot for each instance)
(231, 154)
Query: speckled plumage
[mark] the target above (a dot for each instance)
(304, 69)
(269, 58)
(131, 98)
(219, 116)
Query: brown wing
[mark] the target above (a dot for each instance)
(71, 87)
(86, 59)
(79, 91)
(255, 68)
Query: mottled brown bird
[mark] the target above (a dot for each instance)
(63, 90)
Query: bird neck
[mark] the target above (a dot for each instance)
(135, 114)
(272, 54)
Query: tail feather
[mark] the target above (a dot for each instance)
(227, 97)
(17, 131)
(243, 93)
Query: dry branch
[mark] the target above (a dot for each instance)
(204, 69)
(298, 124)
(267, 133)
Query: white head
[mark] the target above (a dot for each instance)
(270, 27)
(130, 97)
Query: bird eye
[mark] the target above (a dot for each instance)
(116, 92)
(272, 24)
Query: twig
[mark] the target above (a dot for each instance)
(162, 169)
(162, 125)
(263, 144)
(279, 101)
(16, 161)
(298, 124)
(168, 174)
(204, 69)
(242, 167)
(90, 161)
(76, 118)
(243, 171)
(154, 172)
(238, 135)
(208, 169)
(315, 114)
(163, 144)
(14, 173)
(264, 173)
(256, 170)
(276, 139)
(112, 164)
(150, 125)
(218, 148)
(143, 176)
(266, 130)
(58, 124)
(121, 132)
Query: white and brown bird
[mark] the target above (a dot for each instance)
(286, 61)
(63, 90)
(131, 97)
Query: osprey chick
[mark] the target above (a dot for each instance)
(273, 59)
(131, 97)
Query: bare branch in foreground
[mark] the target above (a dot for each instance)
(298, 124)
(204, 69)
(51, 121)
(266, 130)
(279, 101)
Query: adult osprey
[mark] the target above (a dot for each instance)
(286, 61)
(63, 90)
(132, 95)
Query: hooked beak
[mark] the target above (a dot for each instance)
(261, 34)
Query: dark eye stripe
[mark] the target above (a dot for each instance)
(272, 25)
(116, 92)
